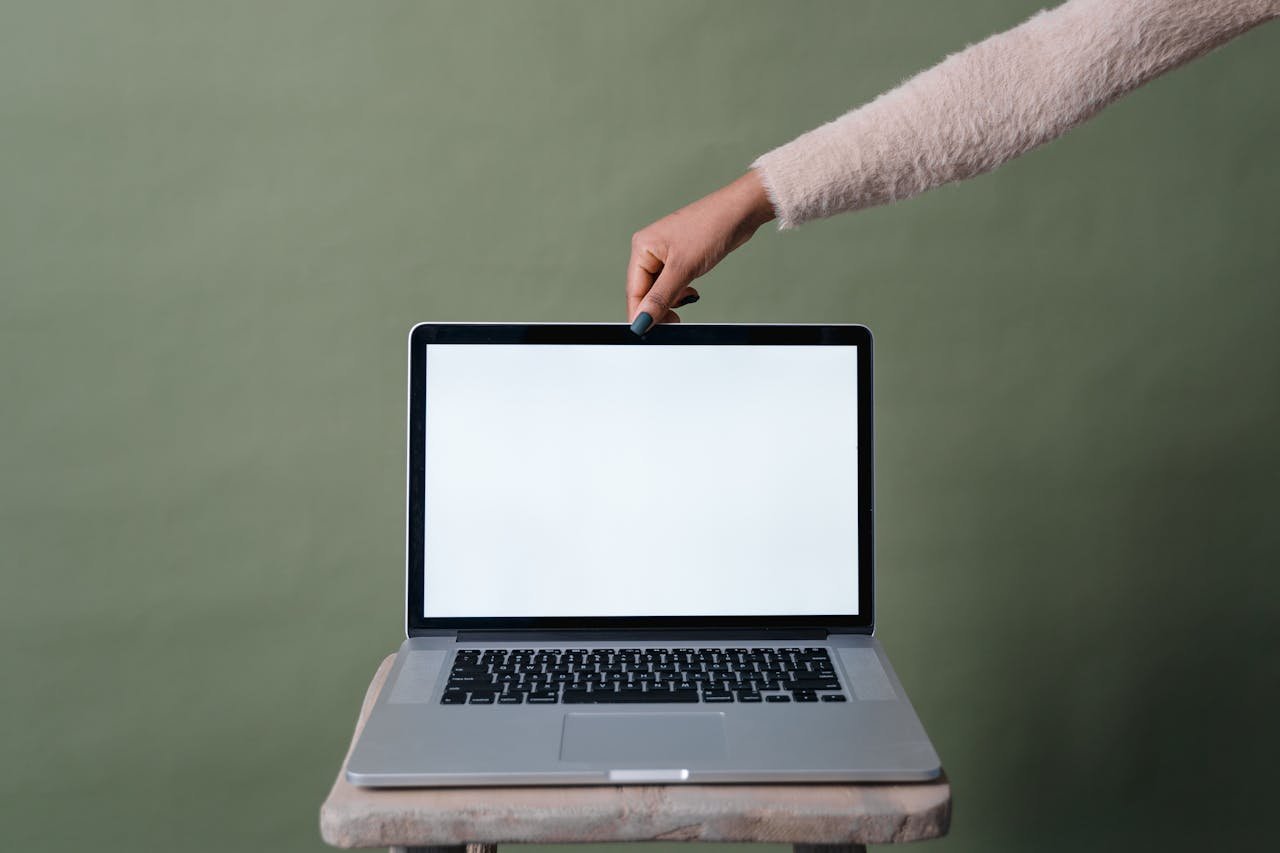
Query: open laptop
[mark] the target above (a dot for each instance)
(640, 560)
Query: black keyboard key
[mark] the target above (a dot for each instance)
(805, 696)
(482, 698)
(749, 697)
(664, 697)
(717, 696)
(543, 698)
(610, 697)
(834, 697)
(453, 699)
(510, 698)
(777, 698)
(463, 680)
(812, 684)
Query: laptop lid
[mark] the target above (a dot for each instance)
(569, 477)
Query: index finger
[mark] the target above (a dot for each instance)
(642, 271)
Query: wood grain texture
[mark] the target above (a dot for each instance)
(818, 814)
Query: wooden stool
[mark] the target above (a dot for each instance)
(817, 818)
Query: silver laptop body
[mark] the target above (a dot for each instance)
(640, 560)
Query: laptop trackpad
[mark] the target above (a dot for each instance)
(643, 740)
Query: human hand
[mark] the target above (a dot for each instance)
(669, 254)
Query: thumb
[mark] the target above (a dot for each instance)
(660, 299)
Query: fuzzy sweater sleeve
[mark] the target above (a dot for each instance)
(995, 100)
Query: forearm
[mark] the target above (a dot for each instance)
(994, 101)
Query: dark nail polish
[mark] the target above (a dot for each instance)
(688, 300)
(642, 323)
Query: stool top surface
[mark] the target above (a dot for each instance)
(826, 813)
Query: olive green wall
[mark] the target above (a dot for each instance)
(218, 220)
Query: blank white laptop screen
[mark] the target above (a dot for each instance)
(640, 481)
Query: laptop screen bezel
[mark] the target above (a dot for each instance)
(682, 334)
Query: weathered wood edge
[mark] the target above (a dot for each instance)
(783, 814)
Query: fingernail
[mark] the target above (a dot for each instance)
(688, 300)
(642, 323)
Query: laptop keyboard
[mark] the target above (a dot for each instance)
(641, 676)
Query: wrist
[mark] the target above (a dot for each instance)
(754, 207)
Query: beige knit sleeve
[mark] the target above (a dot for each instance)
(995, 100)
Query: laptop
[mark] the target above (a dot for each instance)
(640, 560)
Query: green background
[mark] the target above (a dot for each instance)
(218, 221)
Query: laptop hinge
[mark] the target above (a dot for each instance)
(566, 635)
